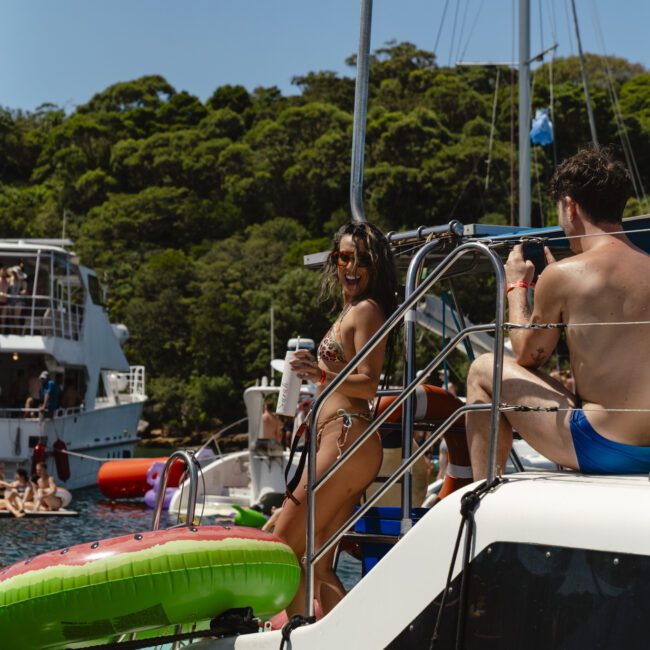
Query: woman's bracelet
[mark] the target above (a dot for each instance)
(323, 378)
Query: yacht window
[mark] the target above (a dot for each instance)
(101, 389)
(95, 290)
(540, 597)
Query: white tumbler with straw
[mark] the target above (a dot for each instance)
(289, 386)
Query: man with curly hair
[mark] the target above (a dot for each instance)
(603, 294)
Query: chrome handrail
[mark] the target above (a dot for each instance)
(403, 311)
(193, 473)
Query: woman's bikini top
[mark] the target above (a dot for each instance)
(331, 347)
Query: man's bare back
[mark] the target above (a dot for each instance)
(607, 284)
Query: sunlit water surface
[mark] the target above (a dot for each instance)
(98, 518)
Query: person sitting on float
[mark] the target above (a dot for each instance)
(45, 497)
(14, 499)
(360, 269)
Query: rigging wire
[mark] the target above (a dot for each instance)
(569, 30)
(471, 31)
(551, 79)
(462, 30)
(618, 114)
(540, 200)
(453, 34)
(492, 127)
(541, 25)
(551, 99)
(442, 22)
(512, 120)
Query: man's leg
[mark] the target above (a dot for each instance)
(548, 433)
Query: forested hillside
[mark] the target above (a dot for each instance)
(197, 216)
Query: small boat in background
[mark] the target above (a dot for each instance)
(256, 476)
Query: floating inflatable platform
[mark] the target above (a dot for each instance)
(62, 512)
(99, 590)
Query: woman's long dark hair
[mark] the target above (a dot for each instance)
(382, 275)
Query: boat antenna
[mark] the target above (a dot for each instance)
(583, 72)
(360, 112)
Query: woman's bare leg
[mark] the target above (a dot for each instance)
(335, 502)
(14, 504)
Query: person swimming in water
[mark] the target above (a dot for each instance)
(604, 429)
(361, 270)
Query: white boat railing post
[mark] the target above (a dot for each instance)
(413, 276)
(34, 292)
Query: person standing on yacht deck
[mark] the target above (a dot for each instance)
(606, 281)
(271, 423)
(361, 267)
(51, 394)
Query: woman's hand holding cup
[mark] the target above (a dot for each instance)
(306, 367)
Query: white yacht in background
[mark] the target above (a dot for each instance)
(58, 322)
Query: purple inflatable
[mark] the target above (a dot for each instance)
(154, 475)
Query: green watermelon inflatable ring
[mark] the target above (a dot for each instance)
(143, 581)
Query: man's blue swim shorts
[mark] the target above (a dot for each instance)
(598, 455)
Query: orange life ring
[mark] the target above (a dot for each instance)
(433, 403)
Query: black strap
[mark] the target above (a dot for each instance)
(468, 504)
(229, 623)
(292, 483)
(294, 622)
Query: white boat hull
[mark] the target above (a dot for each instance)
(104, 433)
(545, 518)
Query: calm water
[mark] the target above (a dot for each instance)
(98, 518)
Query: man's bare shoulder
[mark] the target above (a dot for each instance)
(555, 276)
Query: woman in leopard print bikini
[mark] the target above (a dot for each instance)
(360, 268)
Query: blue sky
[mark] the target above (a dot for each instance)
(64, 51)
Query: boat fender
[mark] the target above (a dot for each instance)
(64, 495)
(61, 460)
(38, 455)
(435, 403)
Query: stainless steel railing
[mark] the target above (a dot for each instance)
(190, 466)
(41, 316)
(404, 311)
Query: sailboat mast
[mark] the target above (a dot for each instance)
(524, 114)
(360, 112)
(583, 72)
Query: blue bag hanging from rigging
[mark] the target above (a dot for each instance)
(542, 131)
